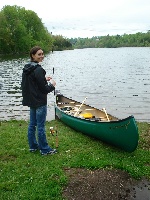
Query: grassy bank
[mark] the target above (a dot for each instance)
(25, 175)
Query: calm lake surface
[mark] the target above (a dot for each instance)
(115, 79)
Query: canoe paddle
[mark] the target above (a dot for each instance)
(76, 113)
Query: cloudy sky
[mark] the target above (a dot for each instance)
(87, 18)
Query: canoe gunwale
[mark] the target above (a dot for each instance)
(92, 120)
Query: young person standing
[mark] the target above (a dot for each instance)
(35, 87)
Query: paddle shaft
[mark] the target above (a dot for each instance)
(80, 107)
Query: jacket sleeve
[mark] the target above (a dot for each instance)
(40, 79)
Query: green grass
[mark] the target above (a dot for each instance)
(25, 175)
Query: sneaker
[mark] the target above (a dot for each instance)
(53, 151)
(33, 150)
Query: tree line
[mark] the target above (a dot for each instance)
(22, 29)
(127, 40)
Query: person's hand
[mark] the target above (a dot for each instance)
(48, 78)
(53, 82)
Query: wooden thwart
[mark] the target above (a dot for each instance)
(106, 114)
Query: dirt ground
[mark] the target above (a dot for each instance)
(104, 184)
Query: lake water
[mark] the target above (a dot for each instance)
(115, 79)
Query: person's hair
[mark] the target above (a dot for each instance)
(33, 51)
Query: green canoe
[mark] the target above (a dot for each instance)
(122, 133)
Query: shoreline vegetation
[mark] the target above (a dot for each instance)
(26, 175)
(22, 29)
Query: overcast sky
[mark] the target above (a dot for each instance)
(87, 18)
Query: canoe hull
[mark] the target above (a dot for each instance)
(121, 133)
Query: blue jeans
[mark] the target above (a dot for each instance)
(37, 120)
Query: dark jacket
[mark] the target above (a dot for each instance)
(34, 85)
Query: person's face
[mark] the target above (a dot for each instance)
(39, 56)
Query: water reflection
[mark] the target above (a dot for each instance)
(117, 79)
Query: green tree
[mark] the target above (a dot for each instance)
(21, 29)
(60, 43)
